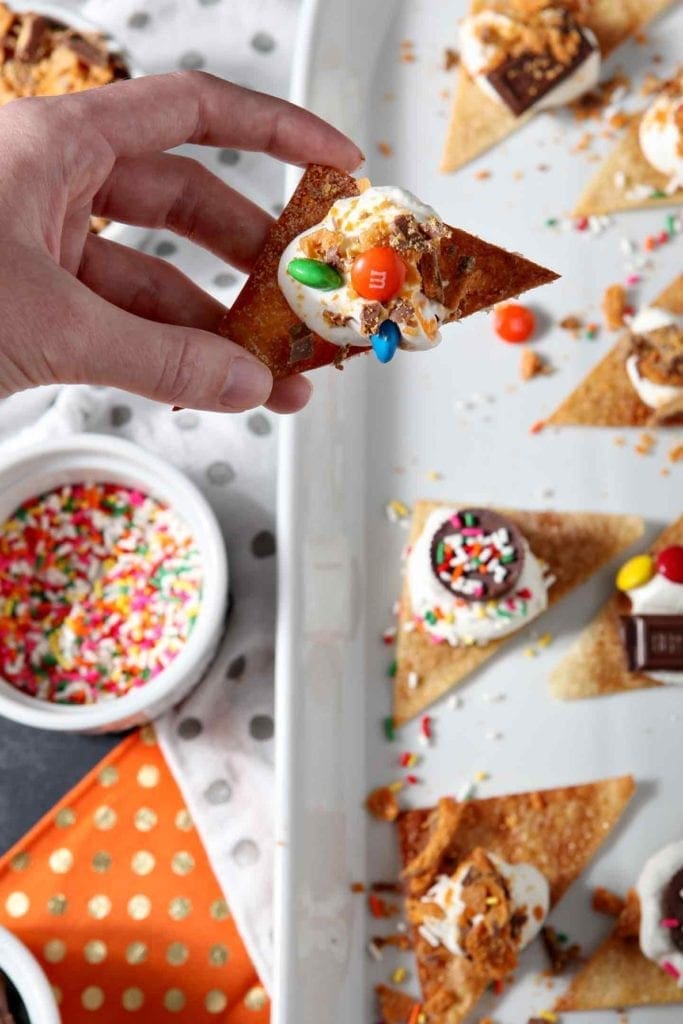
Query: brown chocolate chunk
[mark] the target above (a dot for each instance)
(402, 313)
(407, 235)
(521, 81)
(87, 52)
(432, 285)
(653, 642)
(300, 343)
(488, 575)
(371, 317)
(32, 39)
(672, 905)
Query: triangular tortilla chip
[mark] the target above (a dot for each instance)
(618, 974)
(595, 664)
(603, 194)
(606, 397)
(557, 830)
(479, 122)
(478, 275)
(574, 544)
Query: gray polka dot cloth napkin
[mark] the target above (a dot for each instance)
(219, 743)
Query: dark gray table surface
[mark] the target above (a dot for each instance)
(36, 769)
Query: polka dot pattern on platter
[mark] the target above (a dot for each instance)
(137, 928)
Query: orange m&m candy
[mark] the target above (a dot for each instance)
(378, 273)
(514, 323)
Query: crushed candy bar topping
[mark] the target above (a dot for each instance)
(660, 895)
(383, 804)
(478, 555)
(472, 577)
(561, 954)
(43, 57)
(487, 911)
(374, 258)
(614, 303)
(530, 55)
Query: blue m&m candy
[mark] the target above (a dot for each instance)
(386, 341)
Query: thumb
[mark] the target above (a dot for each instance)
(174, 365)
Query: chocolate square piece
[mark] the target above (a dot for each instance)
(653, 642)
(523, 80)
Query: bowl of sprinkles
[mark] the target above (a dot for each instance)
(113, 585)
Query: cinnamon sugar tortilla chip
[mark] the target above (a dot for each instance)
(557, 830)
(618, 974)
(478, 121)
(606, 397)
(596, 664)
(574, 544)
(604, 194)
(478, 275)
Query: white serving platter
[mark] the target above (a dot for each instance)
(377, 432)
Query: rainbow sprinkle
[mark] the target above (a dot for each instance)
(670, 969)
(100, 587)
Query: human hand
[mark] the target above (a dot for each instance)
(80, 309)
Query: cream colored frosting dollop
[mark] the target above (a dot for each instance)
(528, 890)
(352, 216)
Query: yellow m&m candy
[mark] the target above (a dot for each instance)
(636, 572)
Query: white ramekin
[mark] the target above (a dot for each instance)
(96, 458)
(26, 974)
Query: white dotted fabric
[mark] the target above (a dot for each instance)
(219, 744)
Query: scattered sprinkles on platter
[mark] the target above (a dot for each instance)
(100, 587)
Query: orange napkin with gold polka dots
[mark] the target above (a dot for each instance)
(113, 893)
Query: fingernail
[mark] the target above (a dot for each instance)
(249, 383)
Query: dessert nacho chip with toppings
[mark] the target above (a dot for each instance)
(641, 962)
(500, 864)
(348, 268)
(640, 381)
(519, 57)
(645, 168)
(475, 576)
(601, 659)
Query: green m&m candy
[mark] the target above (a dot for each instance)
(315, 274)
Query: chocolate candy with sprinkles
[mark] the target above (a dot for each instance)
(477, 555)
(672, 907)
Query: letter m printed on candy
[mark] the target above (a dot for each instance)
(378, 280)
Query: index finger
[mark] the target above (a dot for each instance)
(163, 111)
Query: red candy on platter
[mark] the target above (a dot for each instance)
(514, 323)
(378, 273)
(670, 563)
